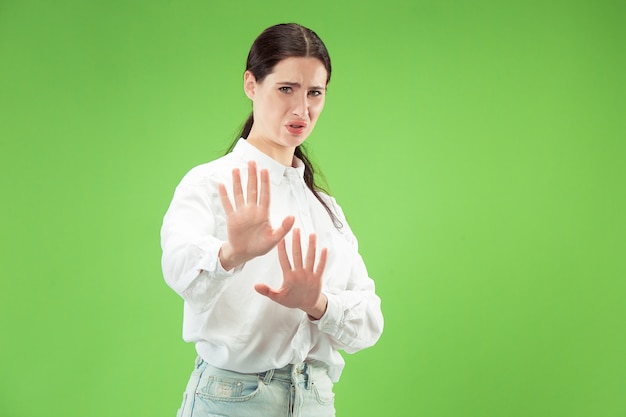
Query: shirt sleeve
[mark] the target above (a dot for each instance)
(353, 317)
(190, 244)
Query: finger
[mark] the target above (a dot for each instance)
(310, 253)
(252, 183)
(283, 229)
(296, 249)
(228, 207)
(237, 190)
(322, 262)
(265, 290)
(264, 199)
(262, 289)
(283, 259)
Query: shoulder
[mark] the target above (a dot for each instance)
(332, 203)
(213, 172)
(343, 228)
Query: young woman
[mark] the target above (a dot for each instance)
(272, 282)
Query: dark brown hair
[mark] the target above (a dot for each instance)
(274, 44)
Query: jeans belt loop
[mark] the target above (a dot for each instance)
(268, 377)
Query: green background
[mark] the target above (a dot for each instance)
(477, 147)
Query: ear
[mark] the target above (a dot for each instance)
(249, 84)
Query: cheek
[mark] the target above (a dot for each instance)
(265, 110)
(316, 109)
(274, 107)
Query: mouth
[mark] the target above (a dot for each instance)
(296, 128)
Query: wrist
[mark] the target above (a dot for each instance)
(317, 312)
(228, 258)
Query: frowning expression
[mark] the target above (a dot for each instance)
(287, 103)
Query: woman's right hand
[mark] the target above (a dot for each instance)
(250, 233)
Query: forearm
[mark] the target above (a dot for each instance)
(353, 320)
(196, 274)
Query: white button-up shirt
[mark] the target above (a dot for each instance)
(233, 326)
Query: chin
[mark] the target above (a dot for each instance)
(295, 140)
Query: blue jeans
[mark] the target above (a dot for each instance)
(300, 390)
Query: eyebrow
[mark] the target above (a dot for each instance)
(315, 87)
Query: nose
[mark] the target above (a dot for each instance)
(301, 106)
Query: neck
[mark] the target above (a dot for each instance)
(281, 154)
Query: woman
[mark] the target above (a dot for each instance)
(268, 308)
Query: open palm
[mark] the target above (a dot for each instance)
(302, 281)
(250, 233)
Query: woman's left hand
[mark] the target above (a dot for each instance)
(302, 283)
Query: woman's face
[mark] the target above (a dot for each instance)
(287, 103)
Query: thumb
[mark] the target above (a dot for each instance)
(263, 289)
(284, 228)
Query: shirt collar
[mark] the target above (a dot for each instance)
(277, 171)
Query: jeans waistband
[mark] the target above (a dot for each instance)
(293, 372)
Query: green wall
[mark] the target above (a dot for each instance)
(478, 149)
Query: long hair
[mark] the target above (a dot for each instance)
(274, 44)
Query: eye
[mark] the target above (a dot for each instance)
(315, 93)
(284, 89)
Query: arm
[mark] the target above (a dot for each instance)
(191, 239)
(353, 317)
(201, 250)
(350, 314)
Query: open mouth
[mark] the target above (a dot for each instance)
(296, 128)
